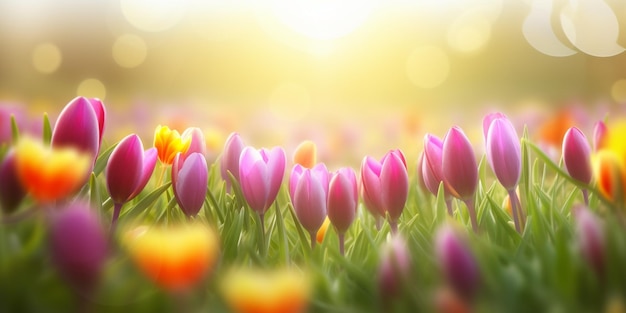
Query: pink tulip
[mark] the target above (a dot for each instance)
(319, 170)
(590, 236)
(128, 170)
(577, 158)
(386, 184)
(230, 158)
(80, 125)
(457, 262)
(310, 197)
(190, 181)
(11, 190)
(261, 174)
(367, 202)
(78, 246)
(198, 143)
(394, 268)
(599, 132)
(432, 170)
(343, 200)
(460, 170)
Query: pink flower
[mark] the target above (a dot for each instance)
(504, 153)
(459, 166)
(190, 181)
(80, 125)
(394, 267)
(198, 143)
(590, 236)
(457, 262)
(230, 158)
(577, 155)
(310, 190)
(599, 133)
(343, 201)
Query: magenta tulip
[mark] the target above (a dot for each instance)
(229, 161)
(457, 262)
(460, 170)
(577, 158)
(394, 268)
(198, 143)
(590, 236)
(310, 197)
(190, 179)
(78, 246)
(599, 132)
(386, 184)
(80, 125)
(343, 201)
(11, 191)
(367, 202)
(261, 174)
(432, 170)
(128, 170)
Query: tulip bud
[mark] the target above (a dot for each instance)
(599, 133)
(11, 191)
(590, 238)
(343, 201)
(504, 151)
(394, 268)
(190, 181)
(197, 144)
(457, 262)
(309, 198)
(79, 126)
(78, 246)
(421, 183)
(230, 158)
(576, 155)
(98, 108)
(305, 154)
(168, 143)
(458, 163)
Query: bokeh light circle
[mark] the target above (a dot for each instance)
(46, 58)
(129, 51)
(91, 88)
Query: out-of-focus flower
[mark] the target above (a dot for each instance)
(343, 201)
(80, 125)
(590, 236)
(394, 268)
(168, 143)
(197, 143)
(448, 301)
(386, 184)
(577, 155)
(230, 158)
(457, 262)
(310, 190)
(305, 154)
(551, 132)
(460, 170)
(432, 170)
(257, 291)
(78, 246)
(373, 209)
(11, 191)
(599, 132)
(609, 164)
(176, 258)
(421, 183)
(321, 233)
(261, 174)
(190, 179)
(50, 174)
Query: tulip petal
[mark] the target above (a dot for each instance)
(149, 163)
(78, 127)
(230, 157)
(504, 151)
(370, 171)
(296, 173)
(254, 179)
(342, 199)
(459, 166)
(124, 169)
(310, 202)
(191, 185)
(276, 170)
(394, 184)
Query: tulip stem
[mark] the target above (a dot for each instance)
(394, 227)
(449, 206)
(117, 208)
(585, 196)
(472, 213)
(313, 239)
(515, 209)
(342, 241)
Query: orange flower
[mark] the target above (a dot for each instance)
(175, 258)
(553, 130)
(321, 233)
(255, 291)
(50, 174)
(305, 154)
(609, 164)
(168, 143)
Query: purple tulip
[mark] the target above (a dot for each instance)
(590, 236)
(261, 174)
(343, 201)
(394, 268)
(230, 158)
(460, 170)
(310, 197)
(79, 125)
(128, 171)
(11, 190)
(599, 133)
(457, 262)
(432, 170)
(577, 158)
(190, 181)
(198, 143)
(78, 246)
(386, 184)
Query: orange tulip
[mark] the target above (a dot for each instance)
(306, 154)
(609, 164)
(168, 143)
(175, 258)
(50, 174)
(321, 233)
(256, 291)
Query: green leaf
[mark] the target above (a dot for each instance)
(15, 132)
(47, 129)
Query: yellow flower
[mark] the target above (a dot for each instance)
(306, 154)
(321, 233)
(49, 174)
(168, 143)
(175, 258)
(256, 291)
(609, 164)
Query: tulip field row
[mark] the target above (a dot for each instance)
(149, 225)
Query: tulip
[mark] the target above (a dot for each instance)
(128, 170)
(447, 301)
(197, 143)
(168, 143)
(175, 258)
(599, 133)
(190, 181)
(577, 158)
(11, 191)
(394, 268)
(50, 174)
(432, 171)
(367, 202)
(305, 154)
(80, 125)
(256, 291)
(590, 238)
(261, 174)
(386, 184)
(78, 246)
(321, 233)
(504, 156)
(230, 158)
(610, 173)
(309, 197)
(343, 201)
(457, 262)
(421, 183)
(460, 171)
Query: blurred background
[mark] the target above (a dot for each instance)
(358, 76)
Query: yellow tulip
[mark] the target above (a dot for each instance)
(609, 164)
(321, 233)
(50, 174)
(168, 143)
